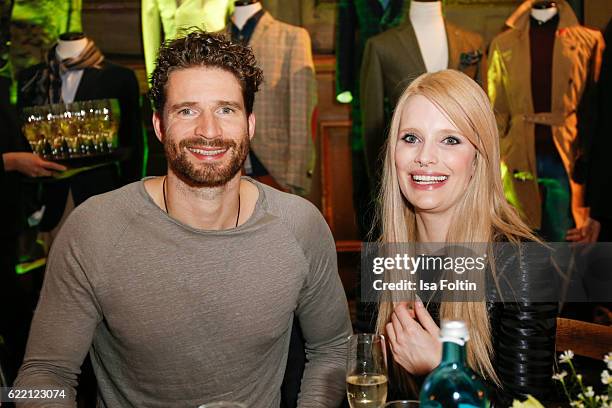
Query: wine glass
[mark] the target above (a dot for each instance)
(111, 114)
(72, 119)
(91, 139)
(30, 127)
(366, 371)
(33, 128)
(45, 131)
(58, 128)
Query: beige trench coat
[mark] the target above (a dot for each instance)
(576, 62)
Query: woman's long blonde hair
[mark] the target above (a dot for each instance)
(486, 216)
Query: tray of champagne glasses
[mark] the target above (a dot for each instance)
(77, 135)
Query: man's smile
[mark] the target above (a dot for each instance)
(208, 153)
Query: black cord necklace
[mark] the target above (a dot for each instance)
(166, 203)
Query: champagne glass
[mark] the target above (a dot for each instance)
(111, 114)
(71, 128)
(30, 127)
(87, 131)
(33, 128)
(57, 131)
(366, 373)
(45, 132)
(97, 124)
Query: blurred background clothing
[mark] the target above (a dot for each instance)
(37, 24)
(599, 185)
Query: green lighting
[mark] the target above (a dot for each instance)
(145, 158)
(345, 97)
(509, 192)
(26, 267)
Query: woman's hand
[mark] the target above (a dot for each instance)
(588, 233)
(414, 339)
(30, 164)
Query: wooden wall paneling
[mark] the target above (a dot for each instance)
(114, 26)
(337, 186)
(328, 109)
(334, 172)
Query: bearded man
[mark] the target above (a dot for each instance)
(183, 288)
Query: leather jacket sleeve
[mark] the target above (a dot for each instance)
(523, 329)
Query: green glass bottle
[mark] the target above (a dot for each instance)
(453, 384)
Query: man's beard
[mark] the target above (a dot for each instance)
(204, 174)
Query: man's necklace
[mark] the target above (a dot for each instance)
(166, 203)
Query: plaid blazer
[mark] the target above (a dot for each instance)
(285, 104)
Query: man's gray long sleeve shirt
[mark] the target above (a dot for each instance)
(176, 317)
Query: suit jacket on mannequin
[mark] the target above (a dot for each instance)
(285, 104)
(359, 20)
(576, 63)
(111, 81)
(391, 61)
(170, 16)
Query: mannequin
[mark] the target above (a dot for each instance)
(544, 10)
(545, 115)
(428, 23)
(70, 45)
(282, 151)
(244, 10)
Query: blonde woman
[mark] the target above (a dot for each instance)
(442, 184)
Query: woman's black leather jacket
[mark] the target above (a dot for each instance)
(522, 312)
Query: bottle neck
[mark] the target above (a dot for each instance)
(453, 353)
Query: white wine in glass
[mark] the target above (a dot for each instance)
(366, 380)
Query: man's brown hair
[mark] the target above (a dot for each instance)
(212, 50)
